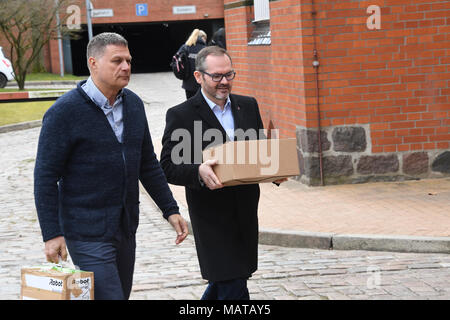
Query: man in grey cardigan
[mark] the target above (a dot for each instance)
(93, 150)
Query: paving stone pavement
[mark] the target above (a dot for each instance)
(167, 271)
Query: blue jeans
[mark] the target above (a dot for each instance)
(235, 289)
(111, 262)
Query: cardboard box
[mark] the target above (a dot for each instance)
(56, 283)
(254, 161)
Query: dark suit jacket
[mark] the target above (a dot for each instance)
(224, 221)
(86, 183)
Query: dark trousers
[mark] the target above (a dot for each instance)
(235, 289)
(111, 262)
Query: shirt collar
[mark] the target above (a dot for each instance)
(211, 104)
(97, 96)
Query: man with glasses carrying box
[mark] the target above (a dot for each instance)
(224, 219)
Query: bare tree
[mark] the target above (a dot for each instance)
(28, 25)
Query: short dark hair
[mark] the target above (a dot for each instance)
(96, 47)
(200, 64)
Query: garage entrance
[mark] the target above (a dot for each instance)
(152, 45)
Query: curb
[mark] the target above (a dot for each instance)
(47, 93)
(392, 243)
(331, 241)
(40, 83)
(296, 239)
(30, 95)
(20, 126)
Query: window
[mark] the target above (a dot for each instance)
(261, 24)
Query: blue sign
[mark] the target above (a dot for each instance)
(141, 9)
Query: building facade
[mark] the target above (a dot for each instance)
(363, 85)
(154, 29)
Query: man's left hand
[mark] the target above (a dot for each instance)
(180, 226)
(279, 181)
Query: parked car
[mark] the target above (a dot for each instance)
(6, 70)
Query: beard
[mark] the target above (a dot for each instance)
(220, 94)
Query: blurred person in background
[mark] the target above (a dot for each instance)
(195, 43)
(218, 39)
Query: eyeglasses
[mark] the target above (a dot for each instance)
(217, 77)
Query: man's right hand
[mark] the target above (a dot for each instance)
(54, 248)
(208, 176)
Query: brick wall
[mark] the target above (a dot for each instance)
(383, 92)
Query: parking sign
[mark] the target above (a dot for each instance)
(141, 9)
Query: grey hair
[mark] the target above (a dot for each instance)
(96, 47)
(200, 61)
